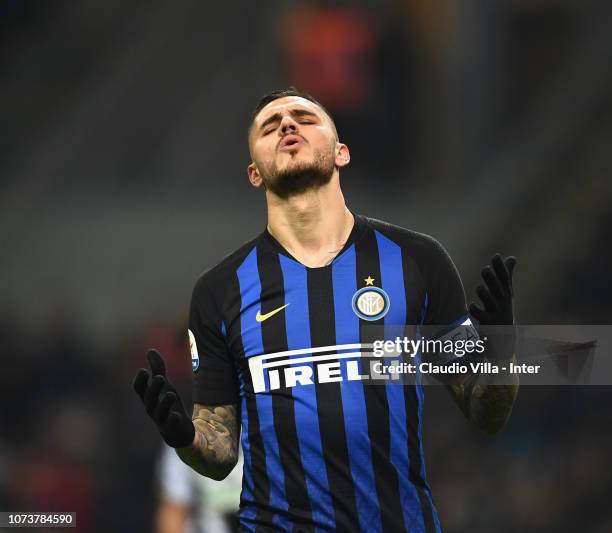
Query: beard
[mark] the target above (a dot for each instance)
(301, 177)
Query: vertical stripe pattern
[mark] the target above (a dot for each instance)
(248, 509)
(392, 280)
(265, 452)
(413, 420)
(304, 397)
(353, 401)
(332, 424)
(286, 449)
(377, 405)
(327, 446)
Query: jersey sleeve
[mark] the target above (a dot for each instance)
(445, 295)
(215, 380)
(446, 318)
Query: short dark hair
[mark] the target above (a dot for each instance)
(282, 93)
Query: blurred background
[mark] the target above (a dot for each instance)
(123, 175)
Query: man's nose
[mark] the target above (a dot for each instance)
(287, 125)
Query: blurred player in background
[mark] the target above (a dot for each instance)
(280, 335)
(191, 503)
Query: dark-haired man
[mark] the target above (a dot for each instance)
(281, 332)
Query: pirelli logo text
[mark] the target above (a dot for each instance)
(325, 364)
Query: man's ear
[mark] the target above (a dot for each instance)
(343, 156)
(254, 176)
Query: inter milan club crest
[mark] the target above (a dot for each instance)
(370, 302)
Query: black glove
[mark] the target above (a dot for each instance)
(498, 301)
(163, 403)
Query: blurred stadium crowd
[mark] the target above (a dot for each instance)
(122, 176)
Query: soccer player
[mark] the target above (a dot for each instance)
(280, 332)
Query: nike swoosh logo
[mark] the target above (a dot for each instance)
(260, 318)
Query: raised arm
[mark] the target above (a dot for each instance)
(208, 442)
(214, 450)
(487, 399)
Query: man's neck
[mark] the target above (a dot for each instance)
(312, 226)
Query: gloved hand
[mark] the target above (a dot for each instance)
(163, 403)
(498, 301)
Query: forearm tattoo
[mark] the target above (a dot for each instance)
(215, 449)
(217, 432)
(486, 399)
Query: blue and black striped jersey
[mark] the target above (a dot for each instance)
(324, 449)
